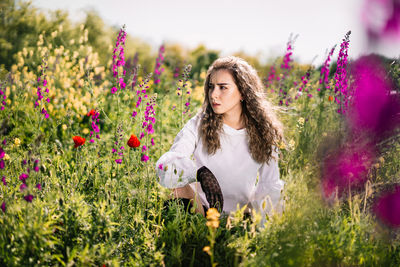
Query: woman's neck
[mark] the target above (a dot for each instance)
(235, 122)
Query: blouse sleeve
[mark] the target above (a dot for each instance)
(175, 168)
(267, 194)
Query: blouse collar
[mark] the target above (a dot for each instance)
(232, 131)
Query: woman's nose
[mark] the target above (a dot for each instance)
(214, 93)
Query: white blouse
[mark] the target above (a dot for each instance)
(232, 165)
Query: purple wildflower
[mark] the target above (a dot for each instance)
(3, 206)
(176, 72)
(160, 166)
(345, 168)
(271, 77)
(22, 187)
(3, 179)
(374, 110)
(119, 60)
(324, 75)
(118, 148)
(29, 198)
(3, 97)
(23, 177)
(39, 186)
(144, 158)
(387, 207)
(94, 115)
(341, 79)
(42, 92)
(388, 17)
(159, 61)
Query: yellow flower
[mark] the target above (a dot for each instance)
(213, 224)
(381, 159)
(85, 131)
(292, 143)
(6, 157)
(17, 142)
(301, 121)
(281, 145)
(212, 214)
(206, 249)
(64, 127)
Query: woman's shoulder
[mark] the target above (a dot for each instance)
(194, 122)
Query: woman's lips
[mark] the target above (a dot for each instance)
(215, 105)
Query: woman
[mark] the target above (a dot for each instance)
(226, 155)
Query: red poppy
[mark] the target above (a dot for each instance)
(91, 113)
(78, 141)
(133, 141)
(330, 98)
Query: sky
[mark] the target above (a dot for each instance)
(257, 27)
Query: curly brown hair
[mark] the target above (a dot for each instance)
(263, 128)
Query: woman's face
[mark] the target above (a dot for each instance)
(224, 95)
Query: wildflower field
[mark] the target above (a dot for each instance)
(83, 123)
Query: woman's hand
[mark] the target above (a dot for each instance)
(211, 188)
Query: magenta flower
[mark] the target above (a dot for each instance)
(152, 142)
(94, 116)
(159, 61)
(23, 177)
(2, 96)
(176, 72)
(144, 158)
(160, 166)
(28, 198)
(39, 186)
(2, 153)
(387, 207)
(118, 148)
(287, 57)
(374, 110)
(3, 206)
(324, 75)
(346, 168)
(22, 187)
(388, 18)
(119, 60)
(341, 78)
(2, 165)
(42, 86)
(3, 179)
(271, 77)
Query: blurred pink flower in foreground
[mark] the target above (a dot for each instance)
(381, 19)
(387, 207)
(374, 110)
(345, 169)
